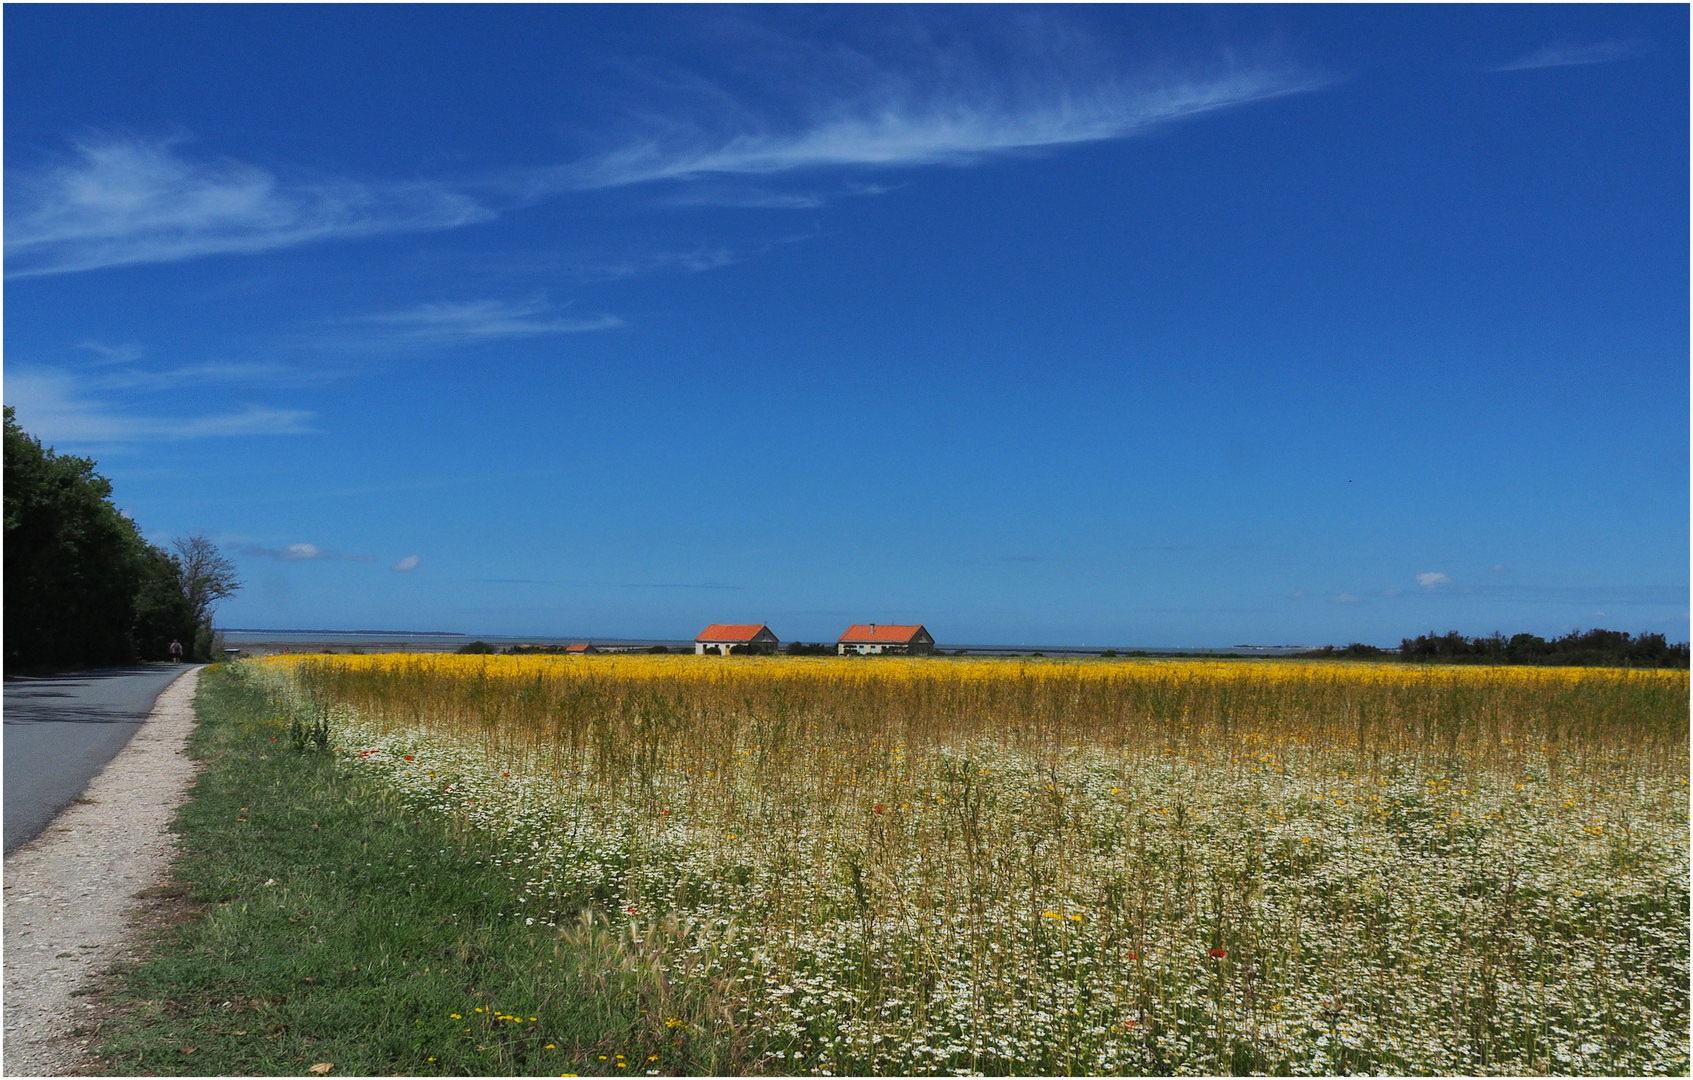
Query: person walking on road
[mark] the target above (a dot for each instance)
(175, 651)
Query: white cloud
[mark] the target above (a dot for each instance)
(452, 322)
(123, 201)
(302, 553)
(257, 372)
(127, 353)
(50, 408)
(1499, 568)
(1346, 598)
(896, 123)
(1432, 578)
(1568, 55)
(410, 562)
(118, 201)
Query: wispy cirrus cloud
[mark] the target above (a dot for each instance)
(50, 406)
(1432, 578)
(302, 552)
(407, 564)
(126, 200)
(126, 353)
(454, 322)
(120, 201)
(1571, 55)
(898, 122)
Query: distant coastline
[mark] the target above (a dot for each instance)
(266, 640)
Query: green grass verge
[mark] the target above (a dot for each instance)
(336, 927)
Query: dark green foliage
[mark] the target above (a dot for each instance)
(1590, 648)
(309, 734)
(162, 610)
(477, 648)
(83, 588)
(800, 648)
(1355, 651)
(659, 650)
(73, 563)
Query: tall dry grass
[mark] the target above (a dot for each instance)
(930, 866)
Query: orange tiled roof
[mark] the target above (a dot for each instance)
(879, 633)
(731, 632)
(584, 647)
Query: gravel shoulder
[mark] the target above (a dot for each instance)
(77, 897)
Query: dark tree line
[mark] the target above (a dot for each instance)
(1585, 648)
(83, 587)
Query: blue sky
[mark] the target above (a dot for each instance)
(1108, 325)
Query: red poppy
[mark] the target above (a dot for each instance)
(1134, 956)
(408, 757)
(1218, 954)
(877, 808)
(506, 774)
(630, 909)
(1128, 1023)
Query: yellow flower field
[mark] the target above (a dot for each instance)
(935, 866)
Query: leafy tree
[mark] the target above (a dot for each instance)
(72, 561)
(83, 587)
(1586, 648)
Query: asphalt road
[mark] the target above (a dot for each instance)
(61, 730)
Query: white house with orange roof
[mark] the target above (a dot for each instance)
(724, 638)
(866, 639)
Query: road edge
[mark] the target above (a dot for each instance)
(74, 894)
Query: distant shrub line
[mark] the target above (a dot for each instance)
(1579, 648)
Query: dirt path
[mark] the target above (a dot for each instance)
(71, 901)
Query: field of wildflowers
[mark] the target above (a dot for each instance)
(840, 866)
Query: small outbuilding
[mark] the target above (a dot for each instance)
(867, 639)
(726, 638)
(581, 648)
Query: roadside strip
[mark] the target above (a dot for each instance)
(71, 894)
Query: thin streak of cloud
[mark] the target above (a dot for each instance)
(125, 201)
(1569, 55)
(611, 584)
(407, 564)
(453, 322)
(735, 196)
(1432, 578)
(899, 126)
(672, 585)
(302, 552)
(127, 353)
(749, 199)
(1346, 598)
(238, 373)
(49, 408)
